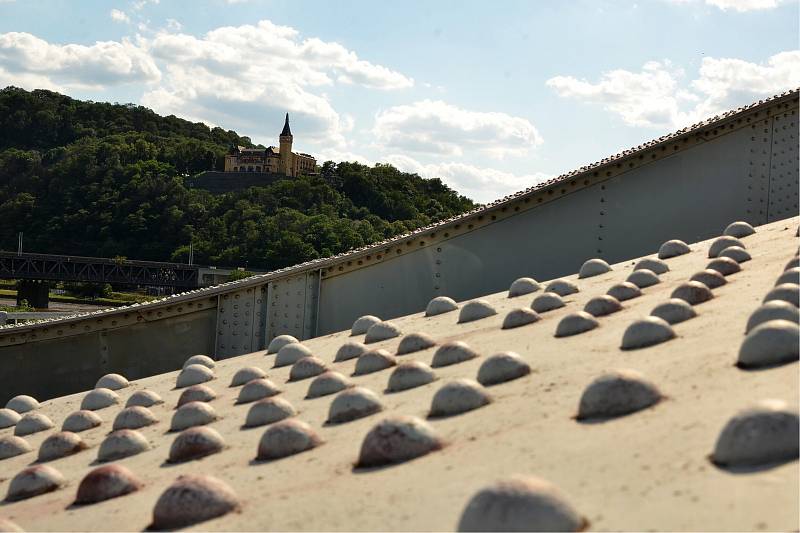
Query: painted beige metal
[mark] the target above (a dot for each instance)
(648, 471)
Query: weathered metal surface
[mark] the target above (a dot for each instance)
(240, 321)
(292, 307)
(783, 170)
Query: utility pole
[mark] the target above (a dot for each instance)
(191, 253)
(19, 243)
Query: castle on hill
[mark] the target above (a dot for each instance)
(273, 160)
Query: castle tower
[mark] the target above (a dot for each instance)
(286, 148)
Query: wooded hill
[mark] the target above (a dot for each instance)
(100, 179)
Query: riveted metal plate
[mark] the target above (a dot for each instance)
(758, 170)
(292, 306)
(783, 176)
(235, 323)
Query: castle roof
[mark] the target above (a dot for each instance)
(286, 129)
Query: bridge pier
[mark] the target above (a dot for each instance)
(36, 292)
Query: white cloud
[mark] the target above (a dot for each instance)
(245, 77)
(119, 16)
(174, 25)
(436, 127)
(657, 95)
(479, 183)
(72, 65)
(741, 6)
(138, 5)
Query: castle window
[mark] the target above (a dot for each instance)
(258, 169)
(236, 169)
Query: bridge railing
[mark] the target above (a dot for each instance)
(96, 269)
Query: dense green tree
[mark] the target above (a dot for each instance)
(108, 180)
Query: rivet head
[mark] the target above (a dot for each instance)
(710, 278)
(721, 243)
(475, 310)
(396, 440)
(81, 421)
(381, 331)
(307, 367)
(409, 375)
(724, 265)
(576, 323)
(440, 305)
(192, 414)
(624, 291)
(646, 332)
(561, 287)
(643, 278)
(246, 374)
(192, 499)
(673, 248)
(458, 396)
(502, 367)
(194, 374)
(268, 411)
(547, 301)
(22, 404)
(523, 286)
(787, 292)
(674, 311)
(194, 443)
(257, 389)
(204, 360)
(739, 229)
(134, 418)
(106, 482)
(60, 445)
(122, 443)
(593, 267)
(291, 353)
(196, 393)
(112, 382)
(8, 418)
(33, 481)
(11, 446)
(520, 317)
(452, 353)
(144, 398)
(349, 350)
(287, 437)
(373, 361)
(692, 292)
(362, 324)
(763, 434)
(617, 393)
(328, 382)
(353, 403)
(770, 343)
(602, 305)
(279, 342)
(520, 504)
(31, 423)
(415, 342)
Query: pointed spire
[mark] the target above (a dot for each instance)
(286, 129)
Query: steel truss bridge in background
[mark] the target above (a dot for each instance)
(97, 270)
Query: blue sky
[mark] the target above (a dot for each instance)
(489, 96)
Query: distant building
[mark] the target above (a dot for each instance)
(280, 160)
